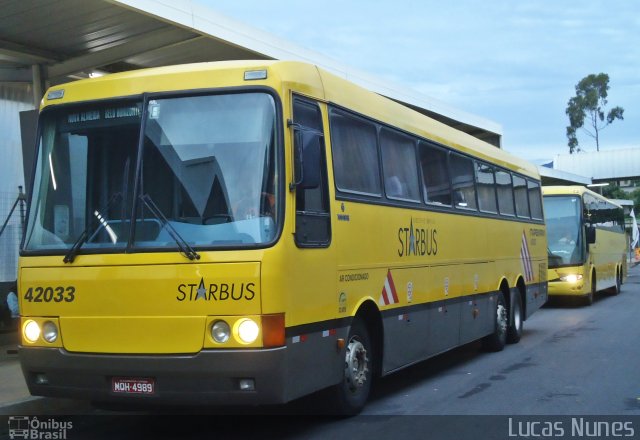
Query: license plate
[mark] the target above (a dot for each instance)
(130, 385)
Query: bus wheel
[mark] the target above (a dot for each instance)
(616, 289)
(592, 293)
(496, 340)
(350, 395)
(514, 331)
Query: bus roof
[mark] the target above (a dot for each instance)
(574, 189)
(304, 78)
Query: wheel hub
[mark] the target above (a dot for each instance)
(357, 364)
(502, 318)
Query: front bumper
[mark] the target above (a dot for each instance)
(207, 377)
(566, 288)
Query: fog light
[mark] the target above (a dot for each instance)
(220, 332)
(31, 331)
(248, 331)
(42, 379)
(49, 331)
(247, 385)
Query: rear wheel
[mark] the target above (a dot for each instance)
(350, 395)
(514, 331)
(497, 340)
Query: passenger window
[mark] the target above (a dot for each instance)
(462, 177)
(435, 175)
(505, 193)
(535, 200)
(485, 182)
(399, 166)
(520, 192)
(355, 154)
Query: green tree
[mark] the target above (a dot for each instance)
(635, 195)
(615, 192)
(589, 103)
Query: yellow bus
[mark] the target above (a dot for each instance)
(252, 232)
(587, 242)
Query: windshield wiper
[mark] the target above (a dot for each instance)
(75, 247)
(184, 247)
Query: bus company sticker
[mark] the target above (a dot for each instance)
(342, 302)
(342, 217)
(476, 279)
(446, 285)
(409, 291)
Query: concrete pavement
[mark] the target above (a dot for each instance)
(13, 389)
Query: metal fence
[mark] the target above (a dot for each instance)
(12, 211)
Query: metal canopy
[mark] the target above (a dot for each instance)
(47, 42)
(69, 39)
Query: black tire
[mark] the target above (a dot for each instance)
(588, 300)
(514, 331)
(616, 289)
(497, 340)
(348, 397)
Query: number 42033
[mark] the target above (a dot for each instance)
(49, 294)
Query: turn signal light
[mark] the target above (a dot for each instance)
(273, 330)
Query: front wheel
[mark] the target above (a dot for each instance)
(497, 340)
(350, 395)
(588, 300)
(616, 289)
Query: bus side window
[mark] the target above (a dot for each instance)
(463, 178)
(535, 200)
(485, 182)
(435, 175)
(399, 166)
(505, 193)
(313, 223)
(522, 201)
(354, 144)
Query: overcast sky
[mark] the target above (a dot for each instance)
(513, 62)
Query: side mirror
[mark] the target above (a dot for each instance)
(306, 161)
(591, 234)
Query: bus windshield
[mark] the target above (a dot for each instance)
(565, 243)
(207, 163)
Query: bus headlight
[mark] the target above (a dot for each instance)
(49, 331)
(248, 331)
(220, 332)
(31, 331)
(571, 278)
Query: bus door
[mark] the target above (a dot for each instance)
(312, 260)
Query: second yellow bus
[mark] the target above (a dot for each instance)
(587, 242)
